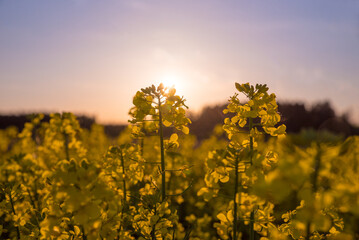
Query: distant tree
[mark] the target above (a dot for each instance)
(19, 120)
(204, 123)
(321, 116)
(320, 113)
(296, 116)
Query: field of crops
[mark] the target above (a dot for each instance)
(249, 180)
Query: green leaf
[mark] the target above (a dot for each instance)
(239, 87)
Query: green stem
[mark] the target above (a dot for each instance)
(251, 161)
(29, 193)
(66, 137)
(142, 140)
(123, 179)
(171, 175)
(234, 199)
(163, 167)
(153, 232)
(34, 206)
(316, 169)
(317, 163)
(251, 141)
(308, 231)
(252, 226)
(13, 210)
(84, 237)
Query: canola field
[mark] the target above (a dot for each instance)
(249, 180)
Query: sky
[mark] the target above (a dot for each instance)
(90, 57)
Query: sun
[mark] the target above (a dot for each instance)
(171, 80)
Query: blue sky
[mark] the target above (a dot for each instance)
(89, 56)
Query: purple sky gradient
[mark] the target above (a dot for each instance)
(89, 56)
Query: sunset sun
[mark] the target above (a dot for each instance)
(171, 80)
